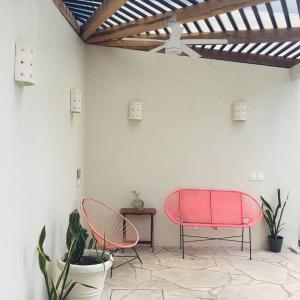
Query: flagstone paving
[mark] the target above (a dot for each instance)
(206, 273)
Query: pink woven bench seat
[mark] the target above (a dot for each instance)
(215, 208)
(212, 208)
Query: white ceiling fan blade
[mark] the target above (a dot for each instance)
(187, 50)
(142, 40)
(205, 41)
(156, 49)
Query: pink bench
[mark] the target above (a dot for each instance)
(212, 208)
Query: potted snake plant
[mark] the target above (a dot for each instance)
(59, 289)
(87, 266)
(273, 217)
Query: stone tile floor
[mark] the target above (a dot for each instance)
(206, 273)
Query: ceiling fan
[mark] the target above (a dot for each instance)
(176, 46)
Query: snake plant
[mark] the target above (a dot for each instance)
(60, 289)
(273, 216)
(76, 230)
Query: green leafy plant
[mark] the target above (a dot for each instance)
(76, 230)
(137, 202)
(100, 258)
(60, 289)
(272, 216)
(136, 194)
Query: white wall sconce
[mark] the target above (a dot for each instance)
(75, 101)
(136, 110)
(24, 64)
(239, 111)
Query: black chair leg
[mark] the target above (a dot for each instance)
(137, 255)
(182, 241)
(133, 257)
(250, 243)
(180, 236)
(242, 247)
(111, 269)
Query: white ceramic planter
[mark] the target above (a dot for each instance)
(93, 275)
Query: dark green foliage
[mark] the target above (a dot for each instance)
(273, 216)
(93, 245)
(60, 289)
(75, 230)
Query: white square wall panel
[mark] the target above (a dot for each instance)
(75, 101)
(239, 111)
(25, 64)
(136, 110)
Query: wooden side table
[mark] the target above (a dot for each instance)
(146, 212)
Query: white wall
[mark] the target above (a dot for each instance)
(41, 143)
(187, 138)
(295, 86)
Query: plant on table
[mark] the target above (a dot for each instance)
(273, 217)
(137, 201)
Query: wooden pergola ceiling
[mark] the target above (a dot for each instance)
(262, 32)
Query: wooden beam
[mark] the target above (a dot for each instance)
(67, 14)
(238, 37)
(130, 44)
(257, 59)
(132, 47)
(234, 37)
(187, 14)
(103, 12)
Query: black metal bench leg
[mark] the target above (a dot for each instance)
(242, 247)
(180, 236)
(250, 243)
(182, 241)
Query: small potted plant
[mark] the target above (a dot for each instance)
(273, 218)
(87, 266)
(137, 201)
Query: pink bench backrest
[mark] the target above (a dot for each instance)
(195, 206)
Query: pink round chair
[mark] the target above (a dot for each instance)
(110, 228)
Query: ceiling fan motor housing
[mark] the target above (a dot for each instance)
(173, 47)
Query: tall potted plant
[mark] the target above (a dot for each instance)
(273, 217)
(59, 289)
(87, 266)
